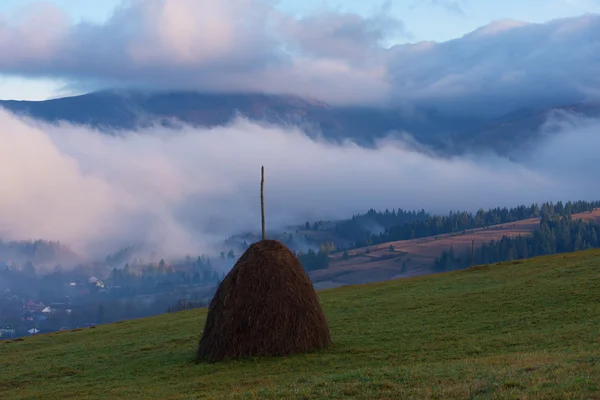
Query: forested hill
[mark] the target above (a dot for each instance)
(557, 233)
(39, 252)
(403, 225)
(362, 226)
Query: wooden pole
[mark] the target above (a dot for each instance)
(262, 200)
(472, 251)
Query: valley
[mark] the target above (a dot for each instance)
(45, 287)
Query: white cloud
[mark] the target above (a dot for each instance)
(226, 45)
(187, 190)
(503, 66)
(248, 45)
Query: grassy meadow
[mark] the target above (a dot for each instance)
(517, 330)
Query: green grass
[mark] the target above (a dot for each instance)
(514, 330)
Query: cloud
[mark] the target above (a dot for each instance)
(249, 45)
(502, 67)
(215, 45)
(186, 190)
(343, 36)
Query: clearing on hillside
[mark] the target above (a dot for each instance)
(523, 329)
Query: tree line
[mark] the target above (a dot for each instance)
(314, 260)
(155, 279)
(36, 251)
(361, 226)
(460, 221)
(556, 234)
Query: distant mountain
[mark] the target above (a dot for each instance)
(133, 109)
(118, 110)
(512, 131)
(130, 110)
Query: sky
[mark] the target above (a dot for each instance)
(421, 20)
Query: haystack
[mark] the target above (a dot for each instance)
(265, 306)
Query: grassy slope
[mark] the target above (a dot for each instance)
(518, 330)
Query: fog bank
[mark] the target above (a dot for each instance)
(186, 190)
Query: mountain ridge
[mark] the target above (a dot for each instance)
(111, 110)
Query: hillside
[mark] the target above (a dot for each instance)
(415, 257)
(517, 330)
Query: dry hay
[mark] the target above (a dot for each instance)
(265, 306)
